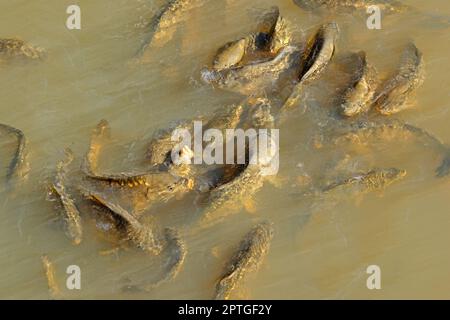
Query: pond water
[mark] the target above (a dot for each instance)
(322, 245)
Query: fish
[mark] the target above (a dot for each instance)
(358, 96)
(72, 215)
(177, 251)
(247, 179)
(255, 77)
(392, 95)
(271, 35)
(374, 179)
(247, 259)
(389, 6)
(18, 166)
(50, 274)
(164, 25)
(16, 48)
(394, 129)
(140, 234)
(317, 55)
(100, 133)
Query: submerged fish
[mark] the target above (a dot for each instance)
(175, 247)
(177, 251)
(368, 181)
(247, 259)
(101, 131)
(164, 25)
(18, 165)
(358, 95)
(386, 7)
(71, 213)
(392, 95)
(351, 5)
(444, 169)
(16, 48)
(394, 130)
(49, 271)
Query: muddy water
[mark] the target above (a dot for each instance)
(322, 245)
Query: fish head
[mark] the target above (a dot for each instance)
(210, 76)
(230, 55)
(269, 20)
(175, 187)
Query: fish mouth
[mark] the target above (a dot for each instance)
(210, 76)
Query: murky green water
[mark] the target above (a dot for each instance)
(322, 246)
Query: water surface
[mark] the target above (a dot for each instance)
(322, 246)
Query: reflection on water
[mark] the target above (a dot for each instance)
(322, 244)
